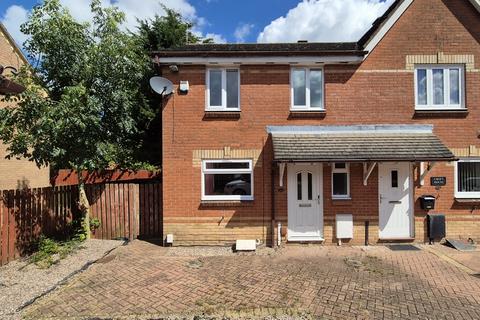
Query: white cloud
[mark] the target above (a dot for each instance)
(242, 31)
(133, 9)
(12, 19)
(217, 38)
(80, 9)
(325, 21)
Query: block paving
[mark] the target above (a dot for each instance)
(145, 280)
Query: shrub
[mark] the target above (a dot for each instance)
(51, 251)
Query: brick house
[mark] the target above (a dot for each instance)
(16, 173)
(283, 140)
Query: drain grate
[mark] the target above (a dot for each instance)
(476, 275)
(403, 247)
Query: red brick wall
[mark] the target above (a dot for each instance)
(381, 90)
(17, 173)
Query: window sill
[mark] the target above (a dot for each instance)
(307, 114)
(226, 203)
(467, 199)
(220, 115)
(341, 198)
(460, 112)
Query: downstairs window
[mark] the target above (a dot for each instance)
(227, 180)
(340, 181)
(467, 179)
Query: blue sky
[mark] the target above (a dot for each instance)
(236, 20)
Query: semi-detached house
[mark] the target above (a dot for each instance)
(282, 140)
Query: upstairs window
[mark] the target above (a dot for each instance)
(439, 87)
(223, 89)
(340, 181)
(306, 89)
(227, 180)
(467, 179)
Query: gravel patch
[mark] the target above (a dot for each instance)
(22, 282)
(216, 251)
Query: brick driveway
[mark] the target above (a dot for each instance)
(141, 279)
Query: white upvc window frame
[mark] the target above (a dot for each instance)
(341, 170)
(446, 87)
(227, 171)
(464, 195)
(307, 106)
(223, 107)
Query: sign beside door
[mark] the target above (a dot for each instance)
(438, 181)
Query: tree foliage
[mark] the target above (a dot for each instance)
(161, 32)
(83, 100)
(88, 105)
(167, 31)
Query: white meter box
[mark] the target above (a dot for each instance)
(344, 226)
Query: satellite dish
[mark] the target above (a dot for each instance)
(162, 86)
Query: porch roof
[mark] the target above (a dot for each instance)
(358, 144)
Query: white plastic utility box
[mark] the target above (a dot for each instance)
(344, 226)
(246, 245)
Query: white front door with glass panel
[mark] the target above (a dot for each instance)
(395, 196)
(305, 202)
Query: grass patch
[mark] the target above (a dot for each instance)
(50, 251)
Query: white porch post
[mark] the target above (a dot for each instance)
(281, 166)
(424, 171)
(367, 171)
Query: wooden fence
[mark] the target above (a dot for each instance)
(125, 210)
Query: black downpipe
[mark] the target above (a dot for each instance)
(273, 205)
(366, 232)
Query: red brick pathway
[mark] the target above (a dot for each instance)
(326, 282)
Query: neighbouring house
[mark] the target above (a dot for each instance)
(15, 174)
(284, 140)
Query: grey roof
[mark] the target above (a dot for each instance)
(350, 147)
(301, 48)
(378, 23)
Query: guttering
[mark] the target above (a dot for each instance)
(364, 160)
(257, 53)
(349, 129)
(274, 59)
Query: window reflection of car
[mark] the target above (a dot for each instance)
(237, 187)
(473, 184)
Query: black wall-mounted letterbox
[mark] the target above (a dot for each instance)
(427, 202)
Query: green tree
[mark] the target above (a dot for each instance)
(170, 30)
(161, 32)
(165, 31)
(83, 101)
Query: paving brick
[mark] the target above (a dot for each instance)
(143, 281)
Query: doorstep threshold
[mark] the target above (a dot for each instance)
(305, 240)
(397, 239)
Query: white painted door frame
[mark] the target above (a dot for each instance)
(396, 208)
(305, 210)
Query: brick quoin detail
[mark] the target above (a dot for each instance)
(379, 91)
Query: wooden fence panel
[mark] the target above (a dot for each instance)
(4, 229)
(125, 210)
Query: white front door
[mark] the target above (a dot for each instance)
(395, 196)
(305, 202)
